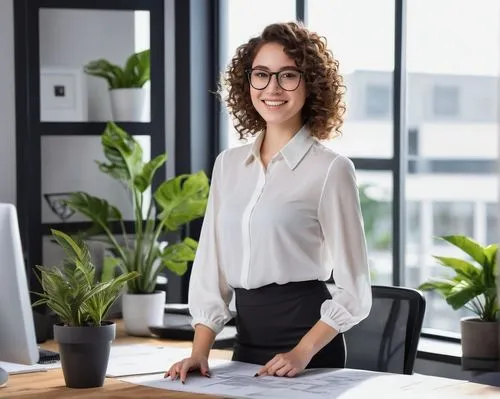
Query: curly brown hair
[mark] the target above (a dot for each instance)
(324, 107)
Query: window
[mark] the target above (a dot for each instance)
(492, 235)
(377, 101)
(455, 177)
(235, 30)
(445, 101)
(452, 182)
(412, 142)
(453, 218)
(413, 222)
(375, 195)
(363, 43)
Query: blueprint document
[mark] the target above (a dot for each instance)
(139, 359)
(236, 380)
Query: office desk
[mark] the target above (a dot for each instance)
(50, 384)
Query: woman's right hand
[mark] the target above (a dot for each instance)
(193, 363)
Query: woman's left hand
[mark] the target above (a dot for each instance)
(287, 364)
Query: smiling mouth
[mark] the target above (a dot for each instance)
(270, 103)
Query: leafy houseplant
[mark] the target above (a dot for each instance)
(473, 287)
(175, 203)
(134, 74)
(125, 84)
(81, 302)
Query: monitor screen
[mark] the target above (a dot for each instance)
(17, 332)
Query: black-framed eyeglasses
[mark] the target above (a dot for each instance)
(288, 79)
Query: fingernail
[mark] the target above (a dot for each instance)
(182, 382)
(256, 375)
(207, 375)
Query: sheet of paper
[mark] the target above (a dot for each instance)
(16, 368)
(126, 360)
(235, 379)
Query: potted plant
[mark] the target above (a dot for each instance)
(127, 92)
(472, 287)
(73, 293)
(175, 203)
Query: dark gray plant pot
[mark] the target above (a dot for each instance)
(84, 353)
(479, 344)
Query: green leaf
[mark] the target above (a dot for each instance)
(490, 252)
(145, 178)
(461, 294)
(137, 69)
(176, 256)
(109, 267)
(461, 267)
(70, 247)
(469, 246)
(96, 209)
(113, 74)
(182, 199)
(490, 266)
(123, 153)
(440, 285)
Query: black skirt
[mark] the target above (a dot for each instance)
(273, 319)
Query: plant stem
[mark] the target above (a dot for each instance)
(124, 233)
(474, 308)
(138, 229)
(159, 228)
(148, 216)
(114, 242)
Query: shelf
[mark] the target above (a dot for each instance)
(90, 128)
(72, 228)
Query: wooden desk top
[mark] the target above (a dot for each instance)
(50, 384)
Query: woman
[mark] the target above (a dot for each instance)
(283, 213)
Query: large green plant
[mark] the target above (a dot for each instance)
(175, 203)
(71, 290)
(473, 286)
(134, 74)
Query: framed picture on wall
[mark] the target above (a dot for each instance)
(63, 95)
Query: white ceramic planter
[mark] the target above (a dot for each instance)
(129, 105)
(141, 311)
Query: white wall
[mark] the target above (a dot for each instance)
(7, 104)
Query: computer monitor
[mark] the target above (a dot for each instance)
(17, 332)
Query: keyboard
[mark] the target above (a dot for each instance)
(47, 356)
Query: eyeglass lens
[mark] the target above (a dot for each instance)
(287, 79)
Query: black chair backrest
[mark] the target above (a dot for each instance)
(387, 339)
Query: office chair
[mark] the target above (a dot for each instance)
(387, 339)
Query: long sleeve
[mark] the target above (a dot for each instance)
(209, 294)
(342, 225)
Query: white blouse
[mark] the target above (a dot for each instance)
(298, 219)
